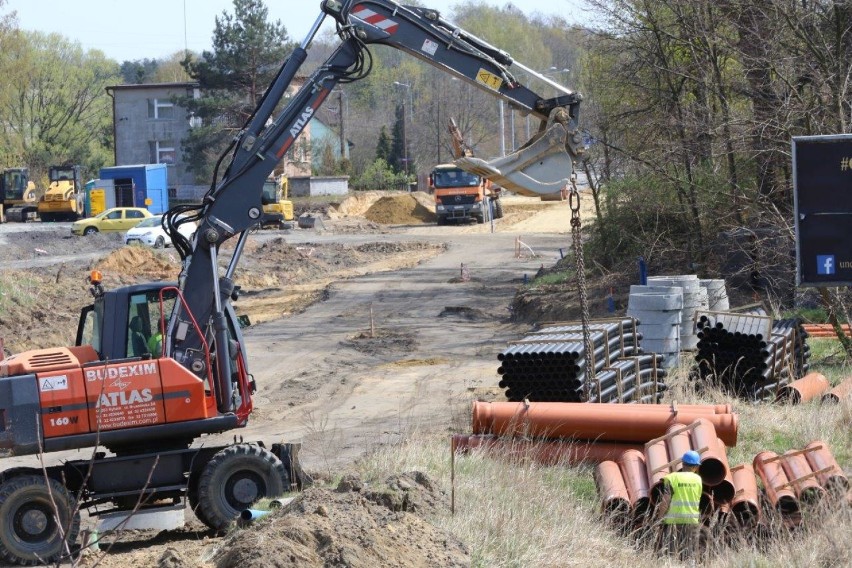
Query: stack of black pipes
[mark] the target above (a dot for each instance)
(736, 353)
(549, 365)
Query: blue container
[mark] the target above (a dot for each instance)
(143, 185)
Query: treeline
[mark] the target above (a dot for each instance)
(694, 104)
(53, 107)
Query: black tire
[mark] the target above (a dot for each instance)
(442, 220)
(90, 231)
(498, 209)
(194, 500)
(236, 478)
(29, 535)
(47, 217)
(159, 243)
(480, 219)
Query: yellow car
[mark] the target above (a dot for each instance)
(115, 219)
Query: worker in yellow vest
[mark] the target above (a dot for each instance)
(679, 505)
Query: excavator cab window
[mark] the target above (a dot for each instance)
(89, 328)
(270, 192)
(144, 337)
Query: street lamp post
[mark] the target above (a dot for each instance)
(404, 133)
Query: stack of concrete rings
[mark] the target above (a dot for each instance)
(717, 295)
(659, 312)
(694, 299)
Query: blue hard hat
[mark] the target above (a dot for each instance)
(691, 458)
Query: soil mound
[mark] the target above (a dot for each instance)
(139, 261)
(356, 526)
(399, 210)
(355, 205)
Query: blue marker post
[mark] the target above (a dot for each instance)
(643, 271)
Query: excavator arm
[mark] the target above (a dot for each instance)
(233, 204)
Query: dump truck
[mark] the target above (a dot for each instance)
(463, 196)
(155, 410)
(17, 196)
(64, 199)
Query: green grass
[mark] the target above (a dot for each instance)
(17, 289)
(552, 278)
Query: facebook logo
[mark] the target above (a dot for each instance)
(825, 264)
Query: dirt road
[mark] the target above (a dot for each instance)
(323, 380)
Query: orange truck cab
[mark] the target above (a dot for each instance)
(461, 195)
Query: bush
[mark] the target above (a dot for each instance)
(379, 175)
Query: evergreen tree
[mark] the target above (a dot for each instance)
(247, 53)
(383, 147)
(397, 154)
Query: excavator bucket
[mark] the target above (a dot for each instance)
(540, 169)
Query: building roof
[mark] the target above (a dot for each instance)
(182, 85)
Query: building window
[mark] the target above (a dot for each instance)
(162, 152)
(160, 109)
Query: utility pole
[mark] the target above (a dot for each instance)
(342, 130)
(404, 133)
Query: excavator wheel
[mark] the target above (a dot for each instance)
(194, 501)
(29, 533)
(498, 209)
(236, 478)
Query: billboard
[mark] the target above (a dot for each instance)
(822, 193)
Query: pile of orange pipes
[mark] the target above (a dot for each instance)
(825, 330)
(571, 433)
(630, 486)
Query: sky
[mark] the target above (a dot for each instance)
(129, 30)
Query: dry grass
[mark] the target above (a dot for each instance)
(524, 514)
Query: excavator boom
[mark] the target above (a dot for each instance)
(233, 205)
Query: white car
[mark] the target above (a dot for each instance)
(150, 232)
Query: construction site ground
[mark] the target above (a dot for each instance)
(363, 332)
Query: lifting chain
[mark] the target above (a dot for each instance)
(577, 238)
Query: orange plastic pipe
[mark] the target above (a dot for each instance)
(746, 502)
(656, 456)
(635, 474)
(796, 466)
(613, 492)
(775, 481)
(842, 391)
(701, 408)
(611, 422)
(724, 490)
(714, 463)
(834, 480)
(678, 444)
(542, 451)
(807, 388)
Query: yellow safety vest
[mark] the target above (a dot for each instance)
(685, 489)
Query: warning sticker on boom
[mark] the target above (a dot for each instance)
(489, 79)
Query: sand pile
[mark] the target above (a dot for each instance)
(356, 204)
(139, 261)
(399, 210)
(355, 526)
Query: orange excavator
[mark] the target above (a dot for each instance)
(158, 368)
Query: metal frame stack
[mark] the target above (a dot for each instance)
(550, 364)
(749, 355)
